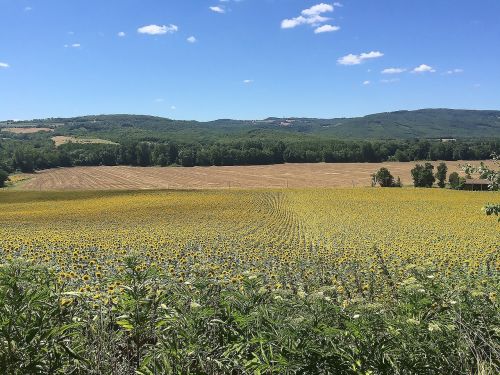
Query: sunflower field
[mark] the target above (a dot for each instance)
(309, 281)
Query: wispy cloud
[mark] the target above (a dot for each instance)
(352, 59)
(391, 80)
(326, 29)
(4, 65)
(192, 39)
(28, 8)
(454, 71)
(366, 83)
(157, 30)
(423, 68)
(393, 70)
(312, 16)
(121, 34)
(217, 9)
(74, 45)
(248, 81)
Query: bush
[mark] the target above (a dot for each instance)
(4, 176)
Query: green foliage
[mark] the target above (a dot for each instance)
(492, 209)
(485, 172)
(147, 140)
(493, 176)
(428, 323)
(36, 325)
(4, 176)
(454, 180)
(422, 175)
(426, 123)
(442, 170)
(384, 178)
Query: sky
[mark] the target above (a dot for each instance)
(246, 59)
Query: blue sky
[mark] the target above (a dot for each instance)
(246, 59)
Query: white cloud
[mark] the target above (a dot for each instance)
(247, 81)
(352, 59)
(192, 39)
(157, 30)
(121, 34)
(366, 83)
(312, 16)
(217, 9)
(455, 71)
(424, 69)
(4, 65)
(393, 70)
(326, 29)
(317, 9)
(74, 45)
(28, 8)
(173, 107)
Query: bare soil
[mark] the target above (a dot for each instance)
(61, 139)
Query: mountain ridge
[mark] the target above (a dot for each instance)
(403, 124)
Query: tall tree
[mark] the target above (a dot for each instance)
(442, 170)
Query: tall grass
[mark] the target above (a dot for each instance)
(147, 323)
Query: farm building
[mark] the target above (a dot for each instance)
(476, 184)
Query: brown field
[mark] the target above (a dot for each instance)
(26, 130)
(61, 139)
(269, 176)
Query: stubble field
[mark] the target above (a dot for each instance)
(267, 176)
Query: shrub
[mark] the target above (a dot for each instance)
(4, 176)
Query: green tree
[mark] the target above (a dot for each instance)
(423, 176)
(454, 180)
(384, 178)
(4, 176)
(442, 170)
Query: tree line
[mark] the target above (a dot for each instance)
(28, 156)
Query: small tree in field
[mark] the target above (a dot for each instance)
(455, 181)
(442, 170)
(384, 178)
(4, 176)
(423, 176)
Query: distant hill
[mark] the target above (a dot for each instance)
(425, 123)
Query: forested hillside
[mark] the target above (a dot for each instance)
(432, 134)
(425, 123)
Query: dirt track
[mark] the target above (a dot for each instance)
(269, 176)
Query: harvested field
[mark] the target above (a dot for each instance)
(268, 176)
(61, 139)
(26, 130)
